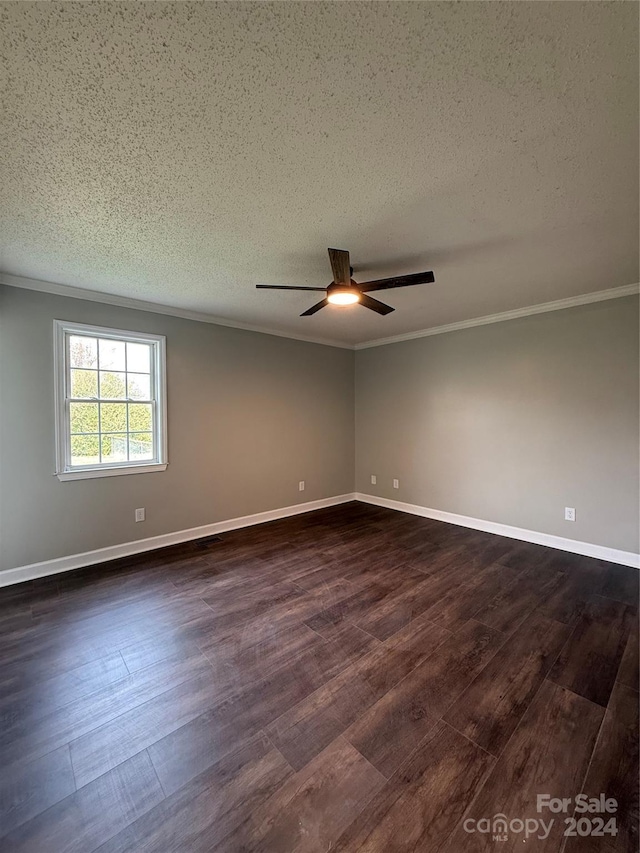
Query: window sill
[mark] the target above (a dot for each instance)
(116, 471)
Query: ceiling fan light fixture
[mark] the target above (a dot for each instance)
(343, 297)
(343, 290)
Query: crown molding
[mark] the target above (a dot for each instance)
(155, 308)
(542, 308)
(203, 317)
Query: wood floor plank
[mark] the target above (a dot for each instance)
(421, 804)
(389, 731)
(110, 631)
(20, 597)
(301, 731)
(201, 814)
(384, 667)
(380, 564)
(399, 608)
(589, 662)
(141, 655)
(29, 739)
(241, 659)
(18, 623)
(60, 690)
(461, 601)
(493, 705)
(614, 769)
(581, 581)
(485, 552)
(455, 663)
(95, 600)
(393, 728)
(312, 808)
(50, 650)
(290, 612)
(526, 556)
(239, 605)
(448, 563)
(273, 695)
(588, 844)
(193, 748)
(33, 787)
(26, 667)
(622, 583)
(331, 619)
(305, 730)
(548, 754)
(630, 665)
(318, 574)
(89, 817)
(511, 606)
(103, 748)
(269, 643)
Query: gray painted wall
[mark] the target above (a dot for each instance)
(249, 415)
(511, 422)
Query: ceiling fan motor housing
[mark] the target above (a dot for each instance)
(343, 288)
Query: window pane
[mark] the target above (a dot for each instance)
(139, 358)
(83, 417)
(114, 448)
(83, 352)
(113, 417)
(139, 386)
(111, 354)
(113, 385)
(140, 417)
(84, 383)
(85, 450)
(140, 445)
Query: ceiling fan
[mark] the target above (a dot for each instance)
(343, 290)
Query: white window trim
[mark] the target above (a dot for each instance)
(63, 469)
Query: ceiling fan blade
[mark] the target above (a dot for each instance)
(340, 266)
(315, 308)
(285, 287)
(375, 305)
(398, 281)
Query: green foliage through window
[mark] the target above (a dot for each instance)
(102, 372)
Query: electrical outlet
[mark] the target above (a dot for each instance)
(140, 514)
(396, 484)
(301, 486)
(374, 479)
(569, 513)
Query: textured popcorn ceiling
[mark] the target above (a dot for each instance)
(181, 153)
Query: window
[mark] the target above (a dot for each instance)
(110, 401)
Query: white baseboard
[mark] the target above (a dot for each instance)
(128, 549)
(586, 549)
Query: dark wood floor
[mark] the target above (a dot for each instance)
(350, 679)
